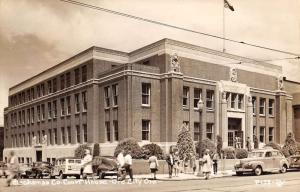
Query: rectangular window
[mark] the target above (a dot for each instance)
(107, 96)
(38, 138)
(54, 81)
(78, 133)
(84, 133)
(38, 91)
(185, 97)
(254, 132)
(84, 101)
(28, 116)
(68, 79)
(55, 136)
(69, 134)
(38, 109)
(29, 139)
(271, 107)
(209, 130)
(77, 104)
(49, 83)
(63, 136)
(77, 76)
(62, 82)
(68, 105)
(32, 93)
(49, 110)
(84, 73)
(262, 106)
(262, 133)
(116, 130)
(43, 91)
(254, 105)
(62, 107)
(50, 137)
(32, 115)
(107, 126)
(23, 117)
(43, 112)
(271, 134)
(196, 131)
(28, 95)
(240, 101)
(115, 92)
(145, 130)
(197, 97)
(210, 99)
(146, 91)
(54, 109)
(233, 100)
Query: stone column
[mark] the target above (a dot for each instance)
(249, 120)
(224, 120)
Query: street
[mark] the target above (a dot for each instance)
(268, 182)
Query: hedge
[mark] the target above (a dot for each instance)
(129, 145)
(152, 149)
(241, 153)
(201, 146)
(228, 153)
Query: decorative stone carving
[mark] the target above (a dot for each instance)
(34, 141)
(44, 141)
(280, 82)
(224, 96)
(233, 74)
(174, 63)
(249, 99)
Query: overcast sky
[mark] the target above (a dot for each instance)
(38, 34)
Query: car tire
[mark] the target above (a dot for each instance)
(258, 171)
(101, 175)
(283, 168)
(239, 173)
(77, 176)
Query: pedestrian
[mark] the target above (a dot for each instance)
(248, 144)
(120, 163)
(13, 168)
(176, 164)
(206, 164)
(153, 165)
(170, 162)
(87, 164)
(193, 162)
(215, 159)
(185, 162)
(128, 164)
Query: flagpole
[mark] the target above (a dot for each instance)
(223, 26)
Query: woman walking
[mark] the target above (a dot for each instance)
(207, 162)
(153, 165)
(176, 164)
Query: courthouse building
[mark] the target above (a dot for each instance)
(103, 96)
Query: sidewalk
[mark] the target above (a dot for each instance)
(185, 176)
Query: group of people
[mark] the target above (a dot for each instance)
(124, 161)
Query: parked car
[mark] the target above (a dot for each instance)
(23, 168)
(105, 166)
(67, 166)
(39, 170)
(262, 160)
(3, 169)
(294, 160)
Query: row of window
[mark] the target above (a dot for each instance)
(235, 101)
(262, 106)
(262, 134)
(80, 99)
(111, 91)
(19, 140)
(197, 97)
(51, 86)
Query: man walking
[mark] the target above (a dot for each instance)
(215, 162)
(13, 166)
(170, 161)
(87, 164)
(128, 164)
(121, 162)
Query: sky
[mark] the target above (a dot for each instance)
(38, 34)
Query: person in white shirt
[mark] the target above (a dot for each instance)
(128, 164)
(87, 164)
(120, 163)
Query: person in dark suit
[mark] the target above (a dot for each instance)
(171, 162)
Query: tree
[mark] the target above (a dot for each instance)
(185, 143)
(79, 151)
(96, 150)
(290, 146)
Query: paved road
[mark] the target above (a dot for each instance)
(270, 182)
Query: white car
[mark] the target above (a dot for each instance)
(67, 166)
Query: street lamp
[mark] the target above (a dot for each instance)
(200, 106)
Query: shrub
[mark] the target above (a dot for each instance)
(228, 153)
(79, 151)
(129, 144)
(273, 145)
(290, 145)
(185, 143)
(96, 150)
(203, 145)
(152, 149)
(241, 153)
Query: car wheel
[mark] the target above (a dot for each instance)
(258, 171)
(52, 177)
(239, 173)
(61, 175)
(77, 176)
(101, 175)
(283, 169)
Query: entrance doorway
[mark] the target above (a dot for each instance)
(235, 133)
(39, 156)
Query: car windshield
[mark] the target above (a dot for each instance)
(256, 154)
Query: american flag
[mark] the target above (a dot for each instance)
(227, 5)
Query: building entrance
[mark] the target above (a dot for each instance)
(235, 133)
(39, 155)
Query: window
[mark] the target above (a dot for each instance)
(68, 79)
(84, 133)
(69, 134)
(43, 112)
(62, 106)
(83, 74)
(38, 90)
(50, 137)
(28, 116)
(54, 109)
(28, 95)
(49, 110)
(63, 135)
(84, 101)
(197, 97)
(116, 130)
(38, 109)
(262, 106)
(115, 92)
(68, 105)
(254, 105)
(262, 134)
(32, 115)
(29, 139)
(271, 134)
(185, 97)
(240, 101)
(55, 136)
(49, 83)
(32, 93)
(77, 104)
(209, 99)
(38, 139)
(233, 100)
(54, 85)
(107, 126)
(254, 132)
(77, 76)
(78, 133)
(146, 88)
(209, 130)
(23, 117)
(107, 95)
(196, 131)
(62, 82)
(145, 130)
(271, 107)
(43, 89)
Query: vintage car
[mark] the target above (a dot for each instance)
(39, 170)
(262, 160)
(3, 169)
(67, 166)
(294, 160)
(105, 166)
(23, 168)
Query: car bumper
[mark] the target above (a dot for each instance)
(243, 170)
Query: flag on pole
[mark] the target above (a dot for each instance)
(227, 5)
